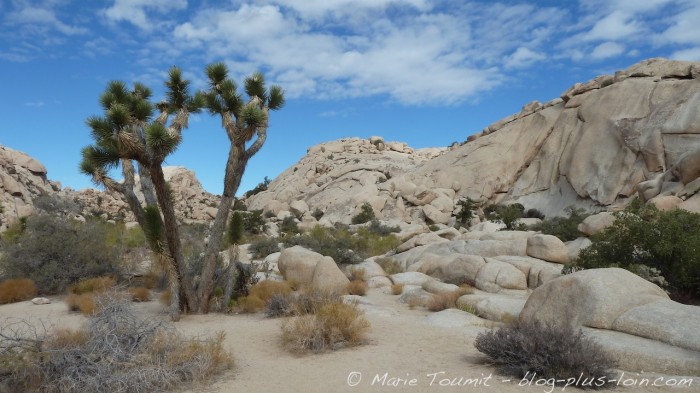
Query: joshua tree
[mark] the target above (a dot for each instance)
(128, 132)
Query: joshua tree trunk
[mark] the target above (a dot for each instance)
(235, 166)
(172, 235)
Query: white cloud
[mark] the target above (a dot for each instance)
(523, 57)
(685, 27)
(691, 54)
(606, 50)
(320, 8)
(615, 26)
(134, 11)
(42, 16)
(35, 104)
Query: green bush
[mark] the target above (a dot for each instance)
(466, 207)
(55, 253)
(264, 247)
(547, 352)
(253, 222)
(378, 228)
(262, 186)
(565, 228)
(317, 214)
(642, 235)
(507, 214)
(366, 214)
(342, 245)
(289, 226)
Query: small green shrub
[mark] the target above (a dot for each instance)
(541, 351)
(644, 238)
(264, 247)
(533, 213)
(507, 214)
(262, 186)
(366, 214)
(565, 228)
(378, 228)
(289, 226)
(253, 222)
(317, 214)
(342, 245)
(464, 213)
(55, 253)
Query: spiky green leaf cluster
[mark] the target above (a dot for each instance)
(253, 116)
(255, 86)
(159, 140)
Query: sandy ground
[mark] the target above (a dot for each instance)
(403, 354)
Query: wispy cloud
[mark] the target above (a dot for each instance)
(43, 17)
(135, 11)
(35, 104)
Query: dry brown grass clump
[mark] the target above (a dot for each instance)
(357, 287)
(89, 285)
(357, 274)
(333, 326)
(397, 289)
(140, 294)
(115, 351)
(84, 303)
(164, 298)
(442, 301)
(17, 290)
(261, 293)
(390, 265)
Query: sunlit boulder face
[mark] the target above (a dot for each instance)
(634, 133)
(22, 178)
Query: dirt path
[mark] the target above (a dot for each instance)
(404, 354)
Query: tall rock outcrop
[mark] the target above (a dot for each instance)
(635, 133)
(22, 178)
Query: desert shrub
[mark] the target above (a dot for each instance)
(264, 247)
(56, 205)
(543, 351)
(266, 289)
(88, 285)
(342, 245)
(333, 326)
(357, 287)
(389, 265)
(668, 242)
(464, 213)
(164, 298)
(55, 253)
(289, 226)
(279, 305)
(251, 304)
(533, 213)
(366, 214)
(378, 228)
(433, 228)
(507, 214)
(260, 294)
(442, 301)
(317, 214)
(140, 294)
(565, 228)
(262, 186)
(253, 222)
(85, 303)
(397, 289)
(310, 301)
(17, 290)
(115, 351)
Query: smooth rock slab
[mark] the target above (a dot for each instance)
(452, 317)
(41, 300)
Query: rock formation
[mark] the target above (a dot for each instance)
(597, 146)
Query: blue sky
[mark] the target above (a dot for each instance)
(427, 72)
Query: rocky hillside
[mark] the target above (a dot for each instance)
(597, 146)
(24, 188)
